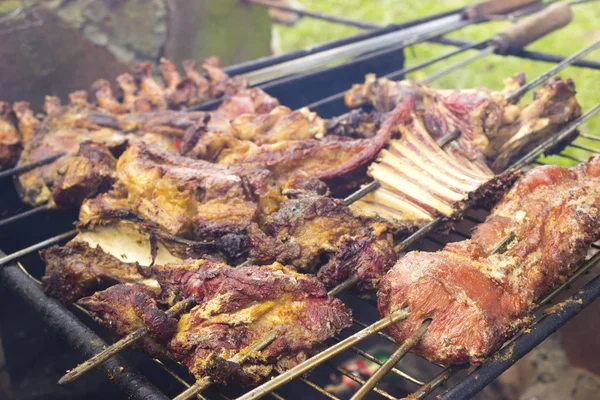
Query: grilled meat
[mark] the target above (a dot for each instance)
(332, 160)
(90, 172)
(176, 93)
(476, 299)
(78, 270)
(184, 197)
(236, 307)
(208, 139)
(355, 124)
(493, 131)
(420, 182)
(125, 308)
(10, 139)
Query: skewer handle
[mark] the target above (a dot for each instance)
(494, 7)
(530, 29)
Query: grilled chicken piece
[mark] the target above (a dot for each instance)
(477, 300)
(125, 308)
(493, 131)
(420, 182)
(10, 139)
(208, 139)
(77, 269)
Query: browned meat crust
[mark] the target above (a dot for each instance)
(236, 307)
(78, 270)
(10, 139)
(477, 299)
(123, 309)
(493, 131)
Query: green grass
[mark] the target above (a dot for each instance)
(489, 71)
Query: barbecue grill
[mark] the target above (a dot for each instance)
(274, 75)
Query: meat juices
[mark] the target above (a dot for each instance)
(477, 300)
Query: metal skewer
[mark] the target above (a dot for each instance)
(392, 361)
(37, 246)
(28, 167)
(239, 359)
(25, 214)
(122, 344)
(318, 359)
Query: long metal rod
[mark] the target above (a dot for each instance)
(316, 15)
(402, 72)
(28, 167)
(553, 71)
(74, 332)
(122, 344)
(325, 355)
(239, 359)
(439, 380)
(445, 71)
(25, 214)
(37, 246)
(392, 361)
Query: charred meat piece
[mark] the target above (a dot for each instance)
(125, 308)
(478, 300)
(493, 131)
(420, 182)
(77, 270)
(10, 140)
(355, 124)
(238, 306)
(63, 131)
(90, 172)
(330, 160)
(307, 231)
(177, 92)
(247, 101)
(184, 197)
(207, 140)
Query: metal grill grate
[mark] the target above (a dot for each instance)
(24, 284)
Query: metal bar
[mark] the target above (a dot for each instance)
(376, 361)
(424, 230)
(317, 388)
(444, 71)
(448, 24)
(271, 60)
(590, 137)
(239, 358)
(358, 380)
(400, 73)
(316, 15)
(439, 380)
(581, 147)
(393, 360)
(76, 333)
(553, 71)
(539, 150)
(530, 55)
(507, 356)
(360, 193)
(11, 257)
(25, 214)
(28, 167)
(324, 355)
(501, 247)
(122, 344)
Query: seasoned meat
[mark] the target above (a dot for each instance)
(10, 139)
(476, 299)
(209, 138)
(329, 160)
(419, 181)
(90, 172)
(125, 308)
(238, 306)
(77, 270)
(355, 124)
(493, 131)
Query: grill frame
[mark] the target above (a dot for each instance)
(83, 339)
